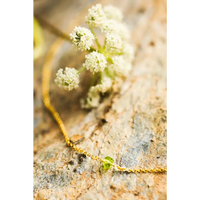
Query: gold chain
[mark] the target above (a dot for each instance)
(45, 91)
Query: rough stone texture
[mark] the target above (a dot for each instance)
(130, 126)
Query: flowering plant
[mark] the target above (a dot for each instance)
(109, 63)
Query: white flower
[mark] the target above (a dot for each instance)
(112, 12)
(112, 26)
(109, 26)
(120, 66)
(95, 16)
(92, 99)
(69, 79)
(123, 31)
(95, 62)
(104, 86)
(82, 38)
(128, 52)
(113, 42)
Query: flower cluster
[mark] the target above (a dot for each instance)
(112, 12)
(96, 16)
(113, 42)
(120, 66)
(112, 26)
(128, 52)
(95, 62)
(109, 63)
(92, 100)
(104, 86)
(82, 38)
(69, 79)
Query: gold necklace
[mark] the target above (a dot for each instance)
(46, 75)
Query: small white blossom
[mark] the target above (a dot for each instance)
(104, 86)
(109, 26)
(96, 16)
(69, 79)
(82, 38)
(92, 99)
(95, 62)
(123, 31)
(120, 66)
(113, 42)
(112, 12)
(128, 52)
(112, 26)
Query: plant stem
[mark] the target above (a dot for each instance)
(81, 69)
(96, 40)
(93, 80)
(52, 28)
(101, 76)
(92, 49)
(110, 59)
(109, 74)
(56, 31)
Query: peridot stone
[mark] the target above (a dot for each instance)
(107, 163)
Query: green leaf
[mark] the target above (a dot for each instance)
(38, 39)
(107, 163)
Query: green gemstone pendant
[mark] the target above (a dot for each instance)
(107, 162)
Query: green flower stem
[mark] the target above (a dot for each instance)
(93, 80)
(110, 60)
(107, 55)
(101, 76)
(119, 54)
(92, 49)
(96, 40)
(81, 69)
(109, 74)
(104, 45)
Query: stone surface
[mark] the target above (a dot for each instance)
(133, 130)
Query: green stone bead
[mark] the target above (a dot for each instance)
(107, 163)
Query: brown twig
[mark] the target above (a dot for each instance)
(51, 27)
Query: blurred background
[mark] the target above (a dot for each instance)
(54, 17)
